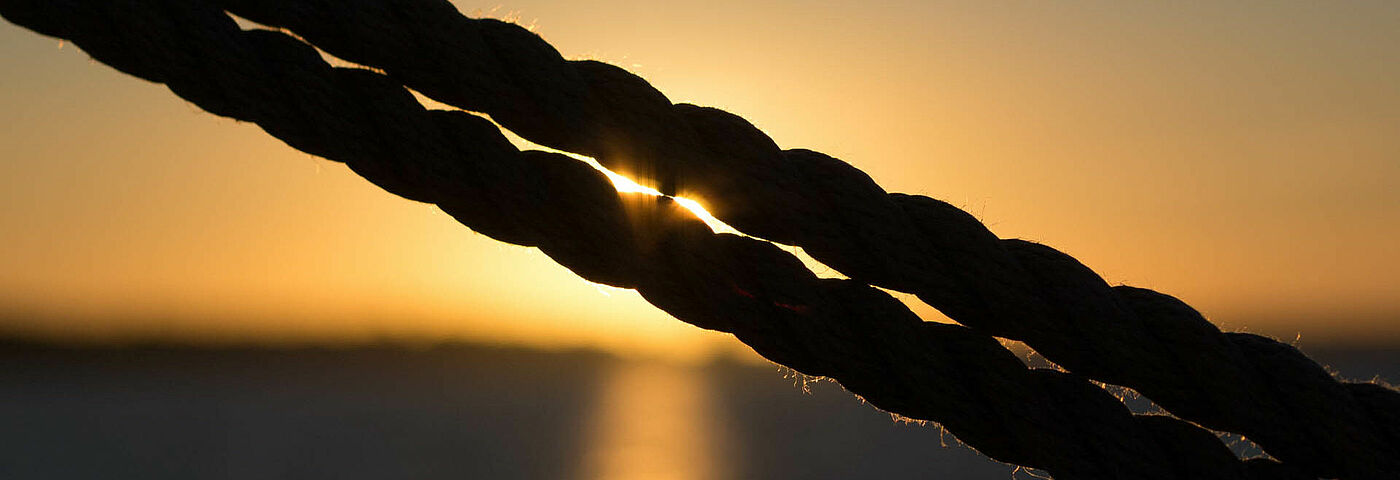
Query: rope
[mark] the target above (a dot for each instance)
(842, 329)
(1127, 336)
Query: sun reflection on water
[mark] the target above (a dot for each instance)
(653, 422)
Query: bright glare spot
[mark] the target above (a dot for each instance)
(626, 185)
(621, 183)
(714, 223)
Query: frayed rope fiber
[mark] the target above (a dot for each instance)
(958, 376)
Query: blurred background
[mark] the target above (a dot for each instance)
(185, 296)
(457, 410)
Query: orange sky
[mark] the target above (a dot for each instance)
(1244, 157)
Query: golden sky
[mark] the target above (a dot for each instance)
(1244, 156)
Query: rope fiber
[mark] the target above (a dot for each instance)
(959, 376)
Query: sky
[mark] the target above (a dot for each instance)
(1243, 156)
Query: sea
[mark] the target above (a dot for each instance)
(463, 411)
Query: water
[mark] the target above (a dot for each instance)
(461, 412)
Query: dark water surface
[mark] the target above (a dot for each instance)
(461, 412)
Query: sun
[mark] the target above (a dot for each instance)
(627, 185)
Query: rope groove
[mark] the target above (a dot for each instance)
(843, 329)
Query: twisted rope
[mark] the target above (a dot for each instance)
(1009, 288)
(949, 374)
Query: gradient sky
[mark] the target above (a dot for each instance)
(1244, 156)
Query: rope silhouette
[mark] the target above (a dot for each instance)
(1126, 336)
(843, 329)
